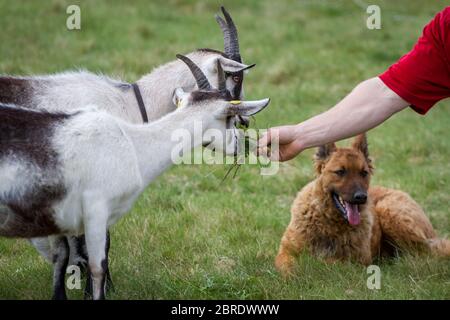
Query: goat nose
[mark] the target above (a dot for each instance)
(360, 197)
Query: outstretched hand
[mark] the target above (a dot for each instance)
(288, 145)
(369, 104)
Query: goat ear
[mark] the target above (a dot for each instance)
(322, 155)
(228, 65)
(177, 96)
(360, 143)
(246, 108)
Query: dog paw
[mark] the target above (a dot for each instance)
(285, 265)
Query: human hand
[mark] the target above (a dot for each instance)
(286, 138)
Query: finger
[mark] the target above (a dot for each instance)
(264, 151)
(267, 153)
(265, 139)
(275, 156)
(260, 151)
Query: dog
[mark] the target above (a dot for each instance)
(339, 217)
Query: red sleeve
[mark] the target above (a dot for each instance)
(422, 76)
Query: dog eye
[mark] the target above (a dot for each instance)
(341, 172)
(364, 173)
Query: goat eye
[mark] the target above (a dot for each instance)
(236, 79)
(341, 172)
(364, 173)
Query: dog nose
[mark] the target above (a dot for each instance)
(360, 197)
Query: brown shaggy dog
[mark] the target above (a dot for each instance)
(338, 217)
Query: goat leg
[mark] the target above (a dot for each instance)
(60, 261)
(109, 283)
(95, 217)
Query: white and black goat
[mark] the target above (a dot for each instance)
(68, 174)
(148, 99)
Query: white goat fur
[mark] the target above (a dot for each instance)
(104, 164)
(74, 90)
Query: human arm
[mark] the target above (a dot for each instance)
(366, 106)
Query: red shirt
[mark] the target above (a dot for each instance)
(422, 76)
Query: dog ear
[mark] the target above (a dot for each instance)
(360, 143)
(322, 154)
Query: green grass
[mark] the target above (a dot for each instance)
(192, 236)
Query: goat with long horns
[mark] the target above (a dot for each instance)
(231, 50)
(71, 91)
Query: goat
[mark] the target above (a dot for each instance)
(73, 90)
(79, 173)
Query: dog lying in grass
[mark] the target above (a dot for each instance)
(339, 217)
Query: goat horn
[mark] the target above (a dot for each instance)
(230, 36)
(221, 76)
(243, 69)
(200, 78)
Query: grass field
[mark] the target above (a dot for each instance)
(191, 235)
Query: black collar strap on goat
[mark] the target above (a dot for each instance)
(140, 102)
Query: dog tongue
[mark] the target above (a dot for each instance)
(352, 213)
